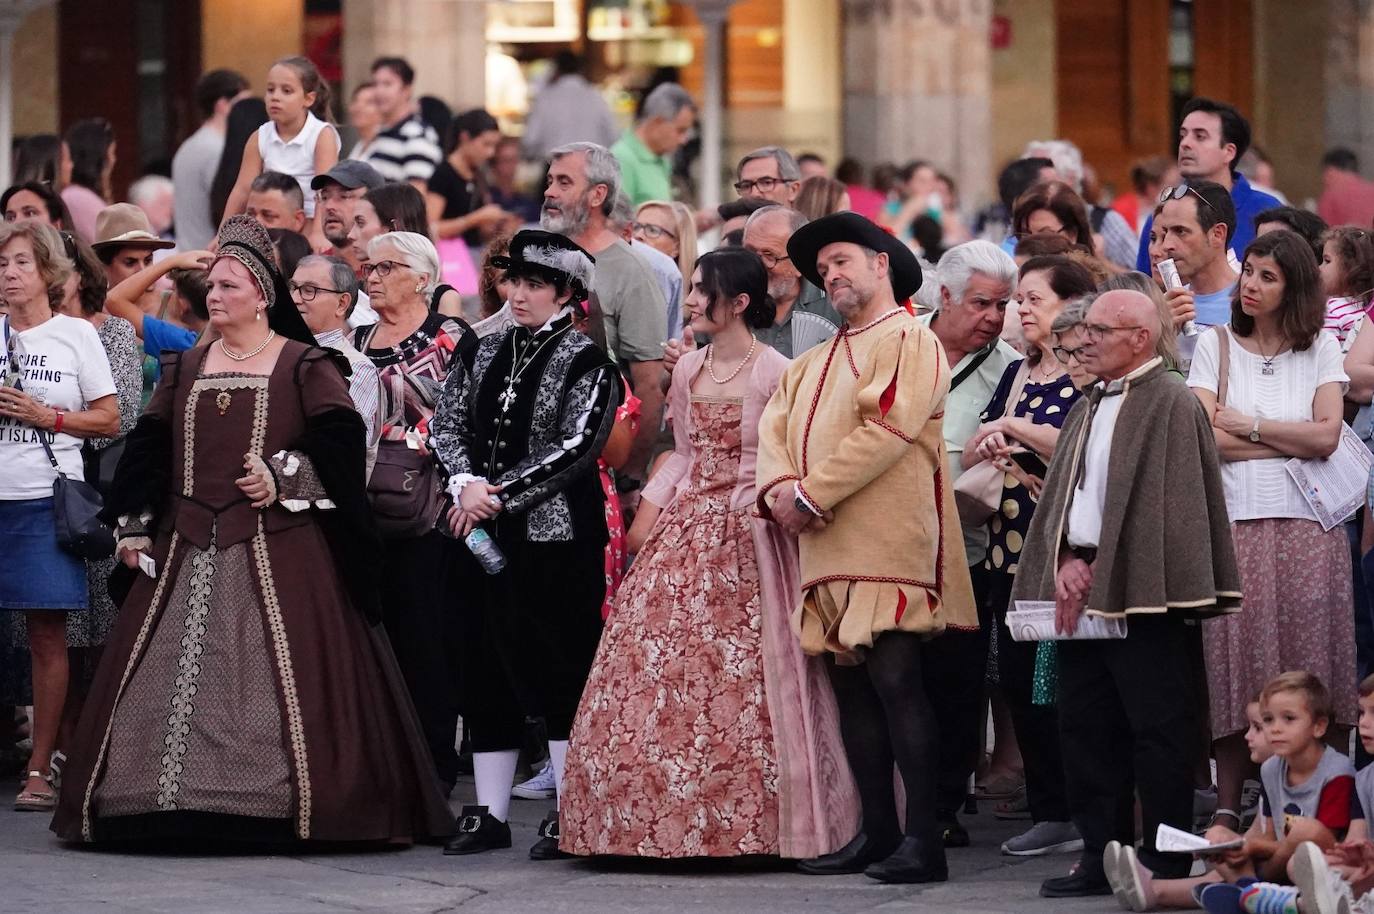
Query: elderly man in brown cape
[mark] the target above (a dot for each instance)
(852, 459)
(1131, 524)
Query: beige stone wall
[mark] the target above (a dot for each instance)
(1023, 79)
(35, 74)
(248, 35)
(444, 40)
(1291, 63)
(812, 84)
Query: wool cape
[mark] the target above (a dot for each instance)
(1166, 538)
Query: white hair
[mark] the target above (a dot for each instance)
(1067, 159)
(415, 250)
(666, 101)
(577, 265)
(148, 188)
(963, 260)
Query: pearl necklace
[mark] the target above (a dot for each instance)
(247, 355)
(711, 362)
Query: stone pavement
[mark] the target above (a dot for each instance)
(40, 874)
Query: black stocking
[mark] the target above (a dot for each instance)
(885, 716)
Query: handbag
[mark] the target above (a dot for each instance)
(978, 491)
(76, 504)
(100, 465)
(404, 487)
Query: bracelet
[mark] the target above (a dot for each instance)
(57, 423)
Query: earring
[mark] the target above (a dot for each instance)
(257, 315)
(419, 287)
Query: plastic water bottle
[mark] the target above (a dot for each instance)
(492, 559)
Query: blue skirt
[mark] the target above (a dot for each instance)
(35, 572)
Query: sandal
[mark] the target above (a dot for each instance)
(1000, 787)
(1014, 807)
(36, 800)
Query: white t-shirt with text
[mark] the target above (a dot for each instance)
(62, 365)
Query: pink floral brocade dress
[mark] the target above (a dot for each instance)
(672, 753)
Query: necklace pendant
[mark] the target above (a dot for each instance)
(222, 401)
(1267, 371)
(507, 397)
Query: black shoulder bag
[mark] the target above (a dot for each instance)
(75, 504)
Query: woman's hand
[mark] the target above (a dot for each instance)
(1233, 422)
(992, 446)
(257, 483)
(19, 406)
(478, 500)
(190, 260)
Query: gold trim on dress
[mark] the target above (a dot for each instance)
(185, 685)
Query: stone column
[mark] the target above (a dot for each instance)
(918, 85)
(444, 40)
(1350, 80)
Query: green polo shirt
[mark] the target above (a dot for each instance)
(643, 175)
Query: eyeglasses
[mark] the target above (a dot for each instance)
(1178, 192)
(337, 196)
(69, 242)
(308, 290)
(762, 185)
(1092, 333)
(649, 230)
(1065, 355)
(770, 260)
(383, 268)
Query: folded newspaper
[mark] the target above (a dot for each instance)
(1033, 620)
(1334, 486)
(1172, 840)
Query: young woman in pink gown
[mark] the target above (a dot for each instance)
(703, 730)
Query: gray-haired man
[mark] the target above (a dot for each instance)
(582, 177)
(769, 172)
(324, 291)
(645, 150)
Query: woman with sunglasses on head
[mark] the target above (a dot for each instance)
(398, 207)
(415, 350)
(1278, 397)
(1020, 437)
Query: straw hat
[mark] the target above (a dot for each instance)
(124, 225)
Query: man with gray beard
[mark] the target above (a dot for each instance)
(582, 177)
(804, 316)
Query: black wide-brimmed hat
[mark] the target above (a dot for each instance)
(807, 241)
(551, 257)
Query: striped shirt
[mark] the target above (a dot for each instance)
(364, 386)
(1342, 314)
(408, 151)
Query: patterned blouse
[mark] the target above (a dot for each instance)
(125, 353)
(1043, 404)
(413, 371)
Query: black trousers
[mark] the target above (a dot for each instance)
(1037, 726)
(954, 668)
(1128, 718)
(417, 613)
(530, 634)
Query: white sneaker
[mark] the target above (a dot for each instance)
(539, 787)
(1044, 838)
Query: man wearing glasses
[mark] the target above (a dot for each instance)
(1211, 140)
(769, 172)
(324, 290)
(1195, 223)
(804, 317)
(1131, 525)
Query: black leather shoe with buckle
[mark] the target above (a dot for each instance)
(478, 831)
(546, 848)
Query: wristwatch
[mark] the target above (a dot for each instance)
(803, 507)
(1254, 431)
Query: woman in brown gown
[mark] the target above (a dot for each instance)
(247, 692)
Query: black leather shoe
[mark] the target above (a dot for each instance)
(953, 834)
(478, 831)
(1083, 882)
(913, 861)
(546, 848)
(852, 858)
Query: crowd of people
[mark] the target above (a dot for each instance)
(731, 532)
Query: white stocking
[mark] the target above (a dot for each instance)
(494, 773)
(558, 754)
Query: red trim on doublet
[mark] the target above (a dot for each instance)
(894, 430)
(901, 608)
(815, 402)
(849, 354)
(890, 394)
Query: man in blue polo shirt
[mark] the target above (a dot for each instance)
(1211, 139)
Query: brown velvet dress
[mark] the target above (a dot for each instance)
(242, 694)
